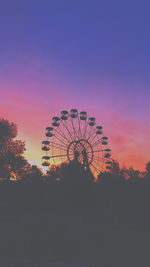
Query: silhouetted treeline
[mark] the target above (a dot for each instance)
(111, 194)
(121, 192)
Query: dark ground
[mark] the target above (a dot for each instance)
(88, 238)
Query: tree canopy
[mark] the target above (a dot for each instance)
(11, 151)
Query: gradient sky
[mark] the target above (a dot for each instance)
(85, 54)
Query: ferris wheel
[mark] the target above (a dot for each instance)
(73, 136)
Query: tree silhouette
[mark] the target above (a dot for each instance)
(147, 175)
(32, 174)
(75, 174)
(148, 168)
(115, 169)
(54, 173)
(134, 175)
(11, 150)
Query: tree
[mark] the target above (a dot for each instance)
(134, 175)
(11, 151)
(75, 174)
(32, 174)
(54, 173)
(148, 168)
(115, 169)
(147, 174)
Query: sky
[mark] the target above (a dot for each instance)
(86, 54)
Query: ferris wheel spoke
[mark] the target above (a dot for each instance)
(79, 127)
(52, 154)
(98, 159)
(62, 135)
(61, 140)
(95, 158)
(74, 130)
(72, 149)
(103, 168)
(91, 134)
(101, 165)
(95, 151)
(64, 138)
(67, 136)
(58, 156)
(65, 126)
(58, 147)
(65, 161)
(93, 137)
(98, 170)
(65, 130)
(85, 128)
(97, 142)
(57, 144)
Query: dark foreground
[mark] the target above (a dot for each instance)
(85, 238)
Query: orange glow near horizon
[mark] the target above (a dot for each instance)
(129, 142)
(128, 149)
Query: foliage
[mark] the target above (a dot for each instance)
(32, 174)
(148, 168)
(11, 158)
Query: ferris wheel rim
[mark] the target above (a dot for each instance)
(87, 131)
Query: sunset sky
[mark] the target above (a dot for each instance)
(86, 54)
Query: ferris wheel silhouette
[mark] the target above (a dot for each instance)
(73, 136)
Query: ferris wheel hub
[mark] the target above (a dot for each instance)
(81, 151)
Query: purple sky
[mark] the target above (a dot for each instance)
(93, 55)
